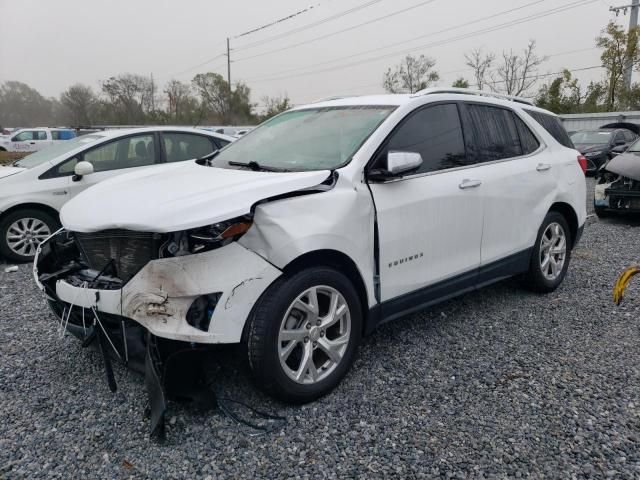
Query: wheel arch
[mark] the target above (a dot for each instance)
(341, 262)
(570, 216)
(34, 206)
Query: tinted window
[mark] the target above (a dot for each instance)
(136, 151)
(553, 126)
(185, 146)
(494, 133)
(528, 141)
(435, 133)
(41, 135)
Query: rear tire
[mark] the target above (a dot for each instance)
(295, 354)
(22, 231)
(551, 255)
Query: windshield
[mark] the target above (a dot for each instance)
(591, 137)
(301, 140)
(49, 153)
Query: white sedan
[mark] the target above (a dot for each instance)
(35, 188)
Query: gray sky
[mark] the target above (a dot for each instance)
(53, 44)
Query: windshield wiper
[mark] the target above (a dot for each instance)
(256, 167)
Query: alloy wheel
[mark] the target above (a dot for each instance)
(25, 234)
(314, 334)
(553, 251)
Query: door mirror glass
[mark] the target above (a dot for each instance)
(402, 162)
(81, 169)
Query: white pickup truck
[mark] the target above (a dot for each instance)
(34, 139)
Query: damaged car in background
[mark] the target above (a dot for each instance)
(312, 230)
(617, 187)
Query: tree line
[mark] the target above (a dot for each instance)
(131, 99)
(519, 73)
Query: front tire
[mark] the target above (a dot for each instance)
(303, 334)
(22, 231)
(551, 255)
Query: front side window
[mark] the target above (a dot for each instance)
(25, 136)
(435, 133)
(186, 146)
(494, 133)
(136, 151)
(321, 138)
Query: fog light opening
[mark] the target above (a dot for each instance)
(201, 310)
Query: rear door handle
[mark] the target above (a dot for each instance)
(466, 183)
(543, 167)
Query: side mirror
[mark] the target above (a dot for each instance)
(397, 163)
(81, 169)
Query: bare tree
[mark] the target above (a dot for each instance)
(80, 101)
(179, 99)
(481, 64)
(516, 73)
(411, 75)
(128, 97)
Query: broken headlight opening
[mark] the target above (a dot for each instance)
(617, 193)
(203, 239)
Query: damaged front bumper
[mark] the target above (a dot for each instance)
(199, 298)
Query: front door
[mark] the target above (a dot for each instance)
(430, 221)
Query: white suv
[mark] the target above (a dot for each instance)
(318, 226)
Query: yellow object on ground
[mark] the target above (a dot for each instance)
(622, 282)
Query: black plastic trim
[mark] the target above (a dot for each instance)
(452, 287)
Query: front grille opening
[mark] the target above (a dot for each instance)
(121, 253)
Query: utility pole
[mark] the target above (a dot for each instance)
(229, 60)
(633, 23)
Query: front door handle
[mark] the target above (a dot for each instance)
(466, 183)
(543, 167)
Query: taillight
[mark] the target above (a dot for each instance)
(583, 163)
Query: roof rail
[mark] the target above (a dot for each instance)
(335, 97)
(467, 91)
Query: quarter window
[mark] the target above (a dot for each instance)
(436, 134)
(185, 146)
(495, 135)
(553, 126)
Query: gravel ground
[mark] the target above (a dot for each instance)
(497, 383)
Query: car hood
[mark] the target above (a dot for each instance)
(590, 147)
(178, 197)
(626, 164)
(8, 171)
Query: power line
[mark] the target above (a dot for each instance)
(511, 23)
(384, 17)
(309, 25)
(275, 22)
(455, 27)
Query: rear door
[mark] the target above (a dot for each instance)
(430, 221)
(518, 187)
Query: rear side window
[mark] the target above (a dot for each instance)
(527, 139)
(41, 135)
(186, 146)
(553, 126)
(494, 133)
(435, 133)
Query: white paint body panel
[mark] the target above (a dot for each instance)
(432, 218)
(177, 197)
